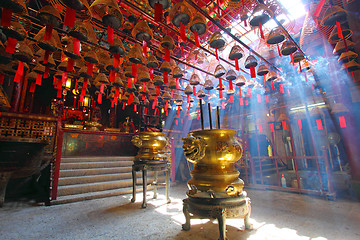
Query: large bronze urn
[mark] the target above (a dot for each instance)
(152, 147)
(214, 153)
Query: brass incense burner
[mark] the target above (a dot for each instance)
(152, 147)
(214, 153)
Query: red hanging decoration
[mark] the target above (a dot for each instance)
(135, 107)
(32, 87)
(70, 65)
(342, 121)
(300, 124)
(182, 31)
(46, 73)
(252, 72)
(38, 79)
(220, 94)
(189, 117)
(134, 70)
(48, 32)
(216, 53)
(340, 34)
(272, 129)
(245, 23)
(292, 59)
(197, 42)
(99, 100)
(220, 83)
(145, 111)
(260, 128)
(11, 44)
(154, 102)
(19, 72)
(112, 76)
(102, 87)
(70, 17)
(264, 81)
(278, 49)
(151, 73)
(2, 77)
(90, 67)
(58, 94)
(166, 104)
(172, 93)
(223, 105)
(261, 31)
(167, 55)
(158, 90)
(249, 92)
(158, 12)
(6, 17)
(177, 83)
(237, 64)
(178, 111)
(241, 100)
(305, 77)
(123, 106)
(284, 124)
(116, 60)
(189, 105)
(231, 87)
(194, 90)
(166, 77)
(176, 122)
(281, 88)
(272, 85)
(266, 98)
(129, 82)
(182, 49)
(197, 115)
(144, 48)
(231, 98)
(46, 57)
(181, 120)
(110, 35)
(130, 98)
(239, 91)
(319, 124)
(76, 49)
(187, 98)
(300, 67)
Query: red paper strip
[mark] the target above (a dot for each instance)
(70, 65)
(284, 125)
(76, 49)
(260, 128)
(249, 92)
(181, 120)
(6, 17)
(220, 83)
(177, 83)
(189, 117)
(231, 87)
(99, 100)
(244, 21)
(145, 111)
(278, 49)
(112, 76)
(246, 102)
(70, 15)
(32, 87)
(166, 77)
(239, 91)
(231, 98)
(252, 72)
(158, 12)
(216, 54)
(261, 31)
(241, 100)
(292, 58)
(178, 111)
(306, 80)
(187, 98)
(319, 124)
(167, 55)
(11, 44)
(288, 91)
(144, 47)
(272, 85)
(220, 94)
(135, 107)
(90, 67)
(58, 94)
(197, 42)
(46, 57)
(340, 34)
(266, 98)
(134, 70)
(300, 124)
(172, 93)
(116, 61)
(176, 122)
(223, 105)
(19, 72)
(272, 129)
(129, 82)
(48, 32)
(130, 98)
(182, 49)
(342, 121)
(2, 77)
(38, 79)
(197, 115)
(158, 90)
(102, 88)
(189, 105)
(151, 73)
(258, 98)
(194, 90)
(110, 35)
(281, 88)
(237, 64)
(123, 106)
(319, 7)
(155, 102)
(264, 81)
(182, 31)
(300, 67)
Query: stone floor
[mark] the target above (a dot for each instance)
(275, 215)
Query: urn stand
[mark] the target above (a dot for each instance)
(216, 191)
(151, 157)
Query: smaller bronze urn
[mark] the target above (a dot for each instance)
(152, 147)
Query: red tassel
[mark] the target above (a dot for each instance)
(261, 31)
(166, 77)
(144, 47)
(187, 98)
(154, 102)
(246, 102)
(70, 17)
(102, 88)
(123, 106)
(239, 91)
(32, 87)
(151, 73)
(249, 92)
(220, 94)
(76, 49)
(145, 111)
(182, 31)
(281, 88)
(220, 83)
(177, 83)
(11, 44)
(19, 72)
(189, 105)
(178, 111)
(216, 53)
(167, 55)
(231, 98)
(158, 90)
(2, 77)
(278, 49)
(48, 32)
(129, 82)
(46, 57)
(272, 85)
(267, 98)
(90, 67)
(342, 121)
(272, 129)
(158, 12)
(231, 87)
(70, 65)
(241, 100)
(194, 90)
(338, 26)
(292, 58)
(134, 70)
(284, 124)
(130, 99)
(237, 64)
(300, 124)
(319, 124)
(252, 72)
(264, 81)
(38, 79)
(99, 100)
(110, 35)
(116, 60)
(197, 42)
(112, 76)
(258, 98)
(113, 103)
(135, 108)
(6, 17)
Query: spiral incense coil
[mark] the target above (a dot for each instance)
(82, 8)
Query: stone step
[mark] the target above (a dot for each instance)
(101, 186)
(96, 159)
(94, 171)
(89, 165)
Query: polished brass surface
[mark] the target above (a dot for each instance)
(214, 153)
(152, 146)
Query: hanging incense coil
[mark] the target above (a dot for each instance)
(16, 31)
(80, 31)
(50, 45)
(276, 36)
(288, 47)
(40, 69)
(81, 83)
(91, 57)
(271, 76)
(198, 24)
(48, 15)
(109, 12)
(70, 48)
(142, 31)
(332, 15)
(131, 89)
(83, 73)
(164, 3)
(180, 13)
(110, 66)
(63, 66)
(118, 82)
(188, 90)
(172, 84)
(23, 52)
(298, 56)
(261, 14)
(177, 72)
(219, 71)
(340, 46)
(101, 78)
(127, 27)
(143, 90)
(262, 70)
(220, 87)
(208, 85)
(334, 35)
(58, 74)
(158, 80)
(103, 57)
(347, 56)
(117, 47)
(250, 62)
(240, 80)
(351, 66)
(17, 6)
(135, 54)
(143, 74)
(152, 62)
(236, 52)
(194, 79)
(50, 61)
(230, 75)
(166, 96)
(217, 41)
(31, 76)
(5, 56)
(200, 94)
(165, 67)
(230, 92)
(306, 65)
(128, 70)
(167, 42)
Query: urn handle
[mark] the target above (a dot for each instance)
(194, 148)
(136, 140)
